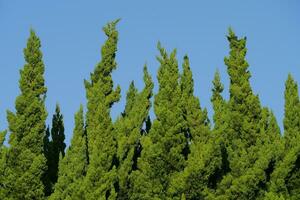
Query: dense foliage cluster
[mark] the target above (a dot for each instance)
(181, 154)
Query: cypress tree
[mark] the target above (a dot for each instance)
(130, 98)
(47, 152)
(55, 147)
(73, 166)
(101, 174)
(243, 132)
(197, 123)
(219, 104)
(162, 155)
(245, 110)
(205, 162)
(285, 181)
(199, 177)
(220, 108)
(129, 129)
(291, 119)
(198, 134)
(26, 162)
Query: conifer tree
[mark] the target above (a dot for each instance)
(200, 176)
(285, 178)
(196, 118)
(245, 110)
(285, 181)
(130, 98)
(220, 123)
(26, 162)
(73, 167)
(53, 149)
(219, 104)
(204, 162)
(129, 129)
(101, 174)
(291, 119)
(47, 152)
(162, 155)
(243, 133)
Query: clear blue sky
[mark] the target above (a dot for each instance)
(71, 37)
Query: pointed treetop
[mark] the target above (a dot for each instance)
(218, 86)
(187, 81)
(110, 27)
(164, 54)
(107, 64)
(291, 119)
(57, 108)
(31, 52)
(34, 68)
(130, 98)
(231, 33)
(168, 68)
(147, 78)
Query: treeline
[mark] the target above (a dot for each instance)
(181, 154)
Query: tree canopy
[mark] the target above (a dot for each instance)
(179, 153)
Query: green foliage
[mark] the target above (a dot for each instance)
(201, 173)
(196, 176)
(163, 148)
(285, 180)
(248, 158)
(53, 149)
(219, 104)
(176, 156)
(291, 112)
(197, 123)
(26, 163)
(102, 173)
(129, 129)
(73, 167)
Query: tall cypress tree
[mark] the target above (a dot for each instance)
(245, 110)
(291, 119)
(54, 148)
(204, 162)
(73, 167)
(219, 104)
(129, 129)
(130, 99)
(243, 132)
(197, 123)
(101, 175)
(26, 162)
(162, 155)
(285, 181)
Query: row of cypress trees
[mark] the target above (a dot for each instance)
(178, 155)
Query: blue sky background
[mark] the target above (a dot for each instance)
(71, 37)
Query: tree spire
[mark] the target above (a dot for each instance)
(73, 167)
(26, 162)
(101, 174)
(291, 119)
